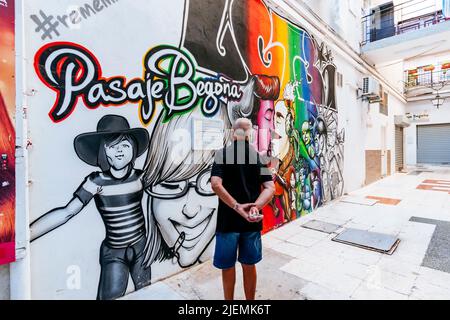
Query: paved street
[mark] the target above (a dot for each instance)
(301, 263)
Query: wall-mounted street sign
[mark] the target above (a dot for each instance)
(418, 117)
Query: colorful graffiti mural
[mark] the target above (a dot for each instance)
(234, 59)
(7, 133)
(289, 94)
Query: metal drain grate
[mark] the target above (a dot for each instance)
(374, 241)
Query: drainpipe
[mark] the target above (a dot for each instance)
(301, 13)
(20, 271)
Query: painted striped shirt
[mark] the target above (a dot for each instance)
(119, 204)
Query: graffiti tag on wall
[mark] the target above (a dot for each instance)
(49, 25)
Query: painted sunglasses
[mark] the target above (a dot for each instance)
(178, 189)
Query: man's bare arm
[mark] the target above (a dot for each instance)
(222, 193)
(227, 198)
(266, 195)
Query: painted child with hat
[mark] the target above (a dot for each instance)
(117, 190)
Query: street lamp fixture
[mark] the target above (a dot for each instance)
(438, 101)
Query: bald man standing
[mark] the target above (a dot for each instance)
(244, 186)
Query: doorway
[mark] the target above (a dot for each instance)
(399, 164)
(384, 156)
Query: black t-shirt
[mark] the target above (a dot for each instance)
(243, 173)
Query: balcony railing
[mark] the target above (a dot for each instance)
(426, 79)
(389, 20)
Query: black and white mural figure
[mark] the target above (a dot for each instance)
(181, 204)
(117, 190)
(216, 35)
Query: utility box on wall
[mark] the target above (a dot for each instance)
(371, 89)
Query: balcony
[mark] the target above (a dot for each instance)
(398, 32)
(426, 80)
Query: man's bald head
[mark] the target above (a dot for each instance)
(242, 129)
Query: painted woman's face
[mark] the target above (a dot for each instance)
(188, 212)
(119, 155)
(306, 133)
(265, 125)
(281, 144)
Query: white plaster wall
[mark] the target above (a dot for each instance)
(376, 3)
(437, 116)
(395, 107)
(393, 73)
(376, 122)
(379, 122)
(352, 118)
(343, 16)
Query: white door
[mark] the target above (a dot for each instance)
(398, 148)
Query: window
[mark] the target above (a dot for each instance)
(382, 24)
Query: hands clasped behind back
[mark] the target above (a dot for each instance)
(249, 212)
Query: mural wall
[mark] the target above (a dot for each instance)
(7, 133)
(129, 132)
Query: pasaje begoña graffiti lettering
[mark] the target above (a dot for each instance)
(73, 72)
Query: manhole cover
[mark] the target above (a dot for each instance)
(321, 226)
(379, 242)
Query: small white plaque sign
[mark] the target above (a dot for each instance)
(207, 134)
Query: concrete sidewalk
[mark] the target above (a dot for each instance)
(301, 263)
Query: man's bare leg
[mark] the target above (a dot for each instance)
(228, 281)
(249, 272)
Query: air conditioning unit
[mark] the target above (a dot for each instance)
(371, 89)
